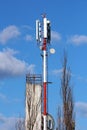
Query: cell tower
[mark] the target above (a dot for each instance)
(43, 37)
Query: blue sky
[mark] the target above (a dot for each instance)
(19, 54)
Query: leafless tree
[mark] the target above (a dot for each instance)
(68, 122)
(67, 97)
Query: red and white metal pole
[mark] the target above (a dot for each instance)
(44, 49)
(44, 83)
(45, 36)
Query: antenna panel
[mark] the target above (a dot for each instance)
(45, 27)
(40, 35)
(37, 30)
(48, 31)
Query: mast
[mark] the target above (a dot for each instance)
(43, 38)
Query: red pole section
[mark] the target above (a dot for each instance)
(44, 44)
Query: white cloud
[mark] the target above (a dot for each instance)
(28, 37)
(81, 108)
(30, 68)
(79, 77)
(77, 39)
(60, 71)
(3, 97)
(55, 36)
(11, 66)
(8, 123)
(17, 100)
(8, 33)
(57, 71)
(27, 27)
